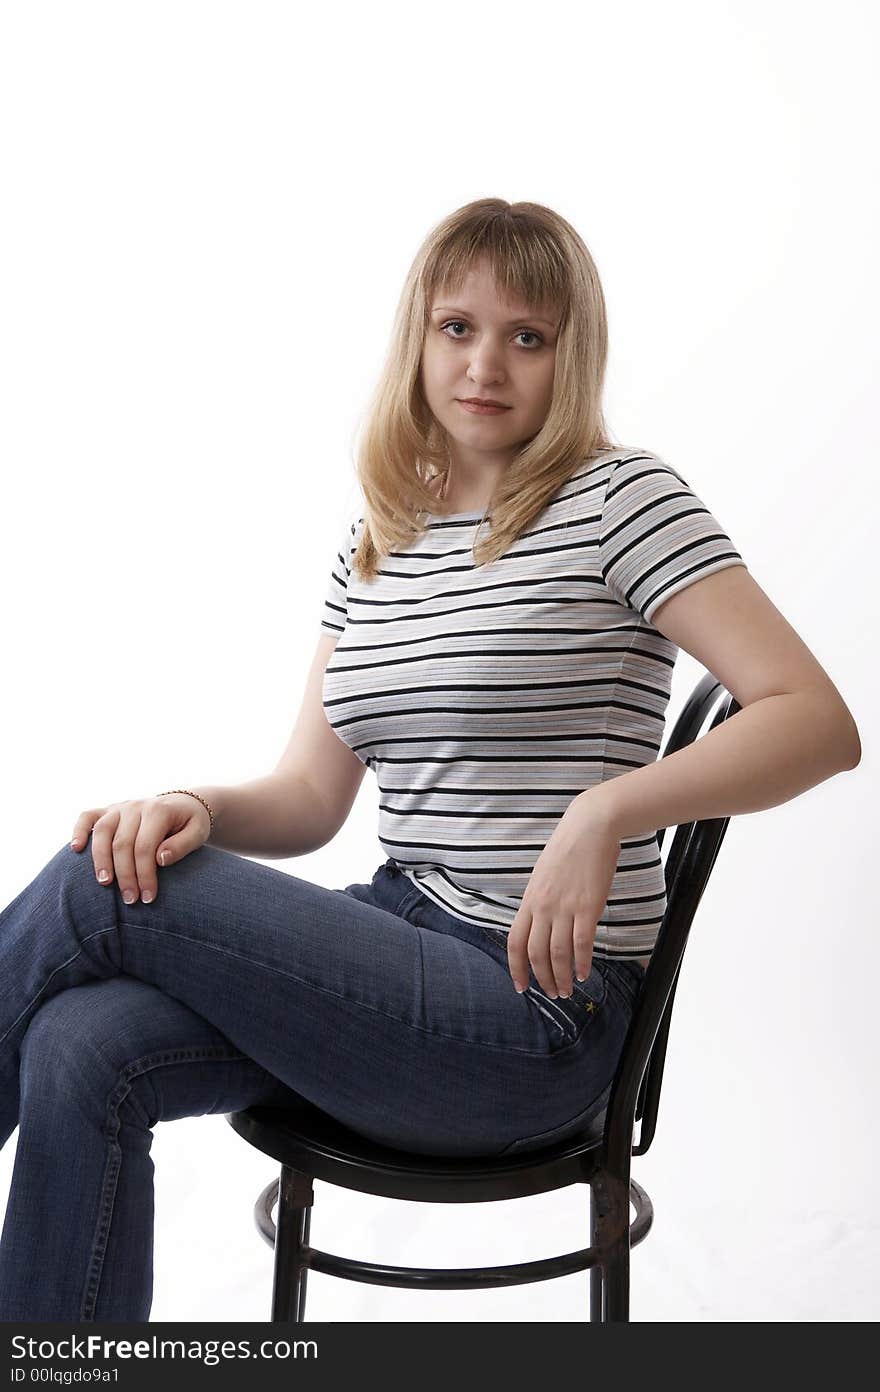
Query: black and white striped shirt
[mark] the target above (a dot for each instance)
(486, 698)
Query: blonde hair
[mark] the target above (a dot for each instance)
(535, 255)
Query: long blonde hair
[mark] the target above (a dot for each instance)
(535, 255)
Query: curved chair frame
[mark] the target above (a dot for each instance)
(310, 1145)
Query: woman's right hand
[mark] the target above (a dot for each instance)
(129, 839)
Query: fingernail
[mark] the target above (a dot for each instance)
(519, 987)
(129, 896)
(103, 876)
(147, 897)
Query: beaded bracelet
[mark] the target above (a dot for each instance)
(191, 794)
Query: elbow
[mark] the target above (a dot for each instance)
(843, 733)
(853, 743)
(837, 731)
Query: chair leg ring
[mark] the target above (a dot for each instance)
(294, 1255)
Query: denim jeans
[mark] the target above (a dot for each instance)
(242, 984)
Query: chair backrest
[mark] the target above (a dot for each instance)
(635, 1093)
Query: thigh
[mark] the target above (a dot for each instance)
(282, 966)
(121, 1049)
(413, 1037)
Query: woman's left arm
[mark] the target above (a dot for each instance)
(794, 731)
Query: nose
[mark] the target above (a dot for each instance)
(484, 364)
(481, 376)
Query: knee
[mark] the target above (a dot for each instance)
(78, 867)
(73, 1055)
(71, 875)
(94, 1051)
(60, 1043)
(72, 872)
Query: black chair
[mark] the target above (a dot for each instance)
(310, 1145)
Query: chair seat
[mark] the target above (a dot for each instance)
(313, 1143)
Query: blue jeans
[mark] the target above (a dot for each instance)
(242, 984)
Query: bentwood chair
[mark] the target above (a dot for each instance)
(310, 1145)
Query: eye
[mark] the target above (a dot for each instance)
(451, 323)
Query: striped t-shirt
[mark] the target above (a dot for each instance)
(486, 698)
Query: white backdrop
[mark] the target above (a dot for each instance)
(209, 212)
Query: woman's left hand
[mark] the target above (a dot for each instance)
(555, 925)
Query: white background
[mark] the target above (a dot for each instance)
(209, 210)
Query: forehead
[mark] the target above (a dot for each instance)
(478, 291)
(476, 305)
(525, 314)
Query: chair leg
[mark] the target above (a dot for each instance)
(292, 1221)
(609, 1280)
(615, 1283)
(595, 1271)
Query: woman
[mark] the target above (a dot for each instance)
(508, 688)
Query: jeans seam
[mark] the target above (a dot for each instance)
(52, 974)
(135, 1068)
(361, 1004)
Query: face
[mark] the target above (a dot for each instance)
(478, 345)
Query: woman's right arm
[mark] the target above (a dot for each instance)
(270, 817)
(306, 799)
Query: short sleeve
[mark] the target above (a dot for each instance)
(335, 611)
(656, 536)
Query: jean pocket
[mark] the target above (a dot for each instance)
(566, 1017)
(592, 992)
(496, 936)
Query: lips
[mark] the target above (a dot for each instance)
(482, 401)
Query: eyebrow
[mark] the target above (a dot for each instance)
(535, 318)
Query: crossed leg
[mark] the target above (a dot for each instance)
(101, 1064)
